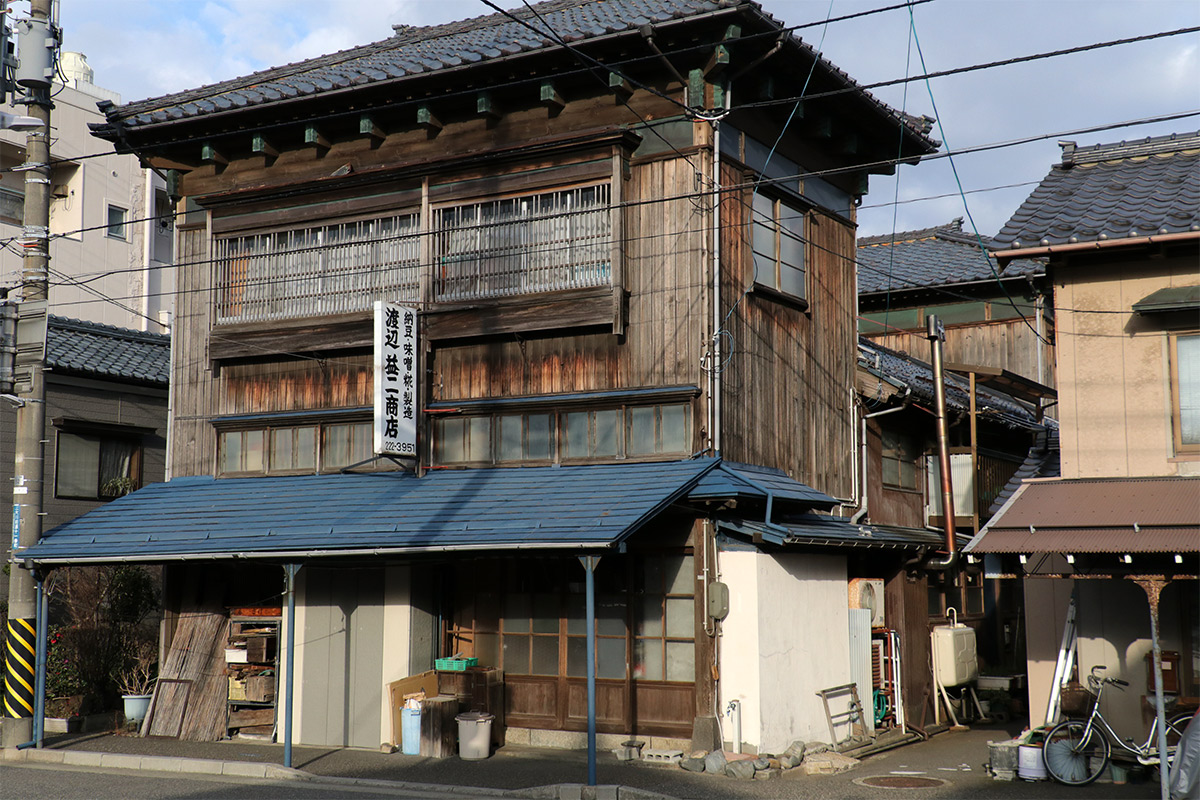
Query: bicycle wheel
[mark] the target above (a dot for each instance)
(1072, 759)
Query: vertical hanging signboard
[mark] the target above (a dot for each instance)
(395, 380)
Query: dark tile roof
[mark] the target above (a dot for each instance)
(568, 507)
(1042, 461)
(1112, 191)
(106, 351)
(941, 256)
(416, 51)
(917, 375)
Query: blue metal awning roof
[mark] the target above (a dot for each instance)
(306, 516)
(824, 531)
(731, 479)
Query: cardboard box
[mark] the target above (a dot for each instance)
(426, 682)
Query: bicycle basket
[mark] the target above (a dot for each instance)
(1076, 702)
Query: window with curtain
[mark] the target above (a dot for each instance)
(899, 459)
(1185, 392)
(96, 466)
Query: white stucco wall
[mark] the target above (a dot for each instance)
(785, 638)
(397, 615)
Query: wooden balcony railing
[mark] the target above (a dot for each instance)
(535, 243)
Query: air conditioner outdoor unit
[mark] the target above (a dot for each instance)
(868, 593)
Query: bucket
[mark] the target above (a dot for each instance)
(474, 735)
(410, 731)
(1029, 763)
(136, 706)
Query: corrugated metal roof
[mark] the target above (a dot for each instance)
(346, 514)
(417, 51)
(819, 530)
(1097, 515)
(732, 480)
(90, 348)
(941, 256)
(1126, 190)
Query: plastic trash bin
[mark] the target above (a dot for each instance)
(474, 735)
(410, 731)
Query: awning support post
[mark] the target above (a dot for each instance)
(290, 570)
(1153, 588)
(39, 692)
(589, 567)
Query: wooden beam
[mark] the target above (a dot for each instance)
(210, 155)
(848, 144)
(819, 128)
(313, 136)
(485, 106)
(550, 97)
(695, 89)
(428, 120)
(717, 62)
(620, 86)
(766, 88)
(260, 146)
(368, 127)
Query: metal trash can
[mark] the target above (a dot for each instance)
(474, 735)
(410, 731)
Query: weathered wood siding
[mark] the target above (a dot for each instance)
(787, 377)
(193, 443)
(1008, 344)
(665, 273)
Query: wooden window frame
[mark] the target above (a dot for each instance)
(133, 439)
(268, 428)
(775, 288)
(1180, 447)
(884, 456)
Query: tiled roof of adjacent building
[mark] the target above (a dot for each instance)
(917, 375)
(941, 256)
(90, 348)
(1127, 190)
(1042, 461)
(416, 51)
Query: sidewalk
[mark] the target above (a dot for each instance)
(958, 759)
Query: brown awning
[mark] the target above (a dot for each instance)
(1097, 515)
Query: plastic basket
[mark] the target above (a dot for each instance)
(1076, 702)
(455, 664)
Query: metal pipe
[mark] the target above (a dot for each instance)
(936, 335)
(734, 710)
(290, 570)
(39, 692)
(647, 32)
(589, 566)
(863, 502)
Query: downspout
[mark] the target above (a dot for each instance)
(936, 334)
(149, 221)
(862, 511)
(715, 345)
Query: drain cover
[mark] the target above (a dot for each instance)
(903, 782)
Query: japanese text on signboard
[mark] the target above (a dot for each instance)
(395, 380)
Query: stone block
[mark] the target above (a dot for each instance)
(742, 770)
(767, 774)
(828, 763)
(625, 753)
(692, 764)
(715, 762)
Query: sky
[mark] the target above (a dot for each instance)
(147, 48)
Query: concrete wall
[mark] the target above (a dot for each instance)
(786, 637)
(1113, 370)
(397, 628)
(122, 269)
(1046, 602)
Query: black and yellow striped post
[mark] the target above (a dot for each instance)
(20, 656)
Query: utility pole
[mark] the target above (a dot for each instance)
(38, 39)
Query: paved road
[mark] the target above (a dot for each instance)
(36, 782)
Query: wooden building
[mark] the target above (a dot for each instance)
(630, 248)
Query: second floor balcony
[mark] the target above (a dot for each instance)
(523, 245)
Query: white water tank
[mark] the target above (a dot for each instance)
(954, 658)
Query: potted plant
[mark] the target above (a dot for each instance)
(136, 681)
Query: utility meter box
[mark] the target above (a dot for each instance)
(954, 658)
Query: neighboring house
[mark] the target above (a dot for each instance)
(111, 226)
(996, 315)
(581, 391)
(106, 419)
(903, 493)
(1119, 225)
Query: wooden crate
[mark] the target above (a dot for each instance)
(260, 688)
(439, 730)
(260, 649)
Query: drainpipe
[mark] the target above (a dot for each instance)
(936, 334)
(862, 511)
(715, 345)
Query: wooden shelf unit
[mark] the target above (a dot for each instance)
(253, 644)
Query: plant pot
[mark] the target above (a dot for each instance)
(136, 706)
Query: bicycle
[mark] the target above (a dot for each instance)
(1076, 752)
